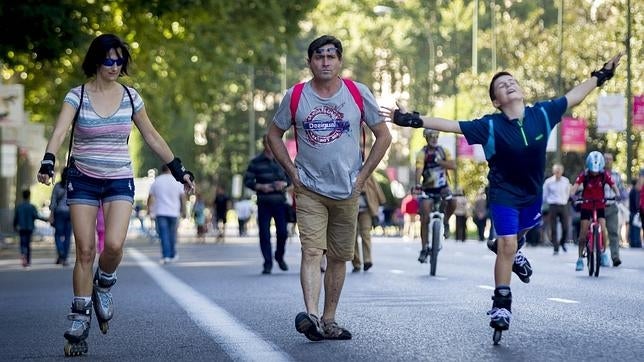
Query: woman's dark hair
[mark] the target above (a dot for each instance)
(98, 51)
(496, 76)
(324, 40)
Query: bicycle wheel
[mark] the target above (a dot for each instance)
(598, 252)
(436, 245)
(590, 255)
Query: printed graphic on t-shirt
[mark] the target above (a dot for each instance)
(325, 124)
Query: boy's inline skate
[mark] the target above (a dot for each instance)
(501, 312)
(102, 299)
(81, 316)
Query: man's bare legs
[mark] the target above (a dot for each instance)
(311, 278)
(333, 283)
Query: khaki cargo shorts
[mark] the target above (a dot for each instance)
(326, 223)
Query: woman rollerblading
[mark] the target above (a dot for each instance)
(75, 336)
(96, 178)
(102, 299)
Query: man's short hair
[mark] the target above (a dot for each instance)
(324, 40)
(496, 76)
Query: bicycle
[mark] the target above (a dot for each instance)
(435, 230)
(594, 241)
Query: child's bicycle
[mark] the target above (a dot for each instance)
(594, 240)
(435, 229)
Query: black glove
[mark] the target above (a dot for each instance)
(407, 119)
(47, 164)
(603, 74)
(178, 171)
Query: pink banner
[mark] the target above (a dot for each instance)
(638, 112)
(464, 150)
(573, 134)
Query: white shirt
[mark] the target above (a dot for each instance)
(167, 194)
(244, 209)
(556, 192)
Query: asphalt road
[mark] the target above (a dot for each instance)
(213, 305)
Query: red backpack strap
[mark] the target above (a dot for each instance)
(357, 97)
(295, 101)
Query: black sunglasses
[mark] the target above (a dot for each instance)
(108, 62)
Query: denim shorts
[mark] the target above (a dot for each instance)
(85, 190)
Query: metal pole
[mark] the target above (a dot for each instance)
(629, 97)
(475, 29)
(251, 112)
(559, 70)
(493, 16)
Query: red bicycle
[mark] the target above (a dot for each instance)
(594, 241)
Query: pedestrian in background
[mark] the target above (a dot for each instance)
(612, 210)
(199, 217)
(100, 114)
(634, 226)
(328, 175)
(460, 212)
(556, 192)
(221, 204)
(244, 211)
(168, 200)
(370, 200)
(409, 207)
(24, 218)
(267, 178)
(60, 218)
(480, 214)
(100, 229)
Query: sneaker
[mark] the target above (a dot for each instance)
(424, 253)
(563, 247)
(604, 260)
(521, 267)
(266, 270)
(580, 264)
(333, 331)
(356, 269)
(500, 318)
(367, 266)
(556, 252)
(616, 262)
(309, 325)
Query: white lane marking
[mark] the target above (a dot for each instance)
(396, 271)
(561, 300)
(486, 287)
(240, 343)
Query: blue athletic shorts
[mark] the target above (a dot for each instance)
(85, 190)
(511, 220)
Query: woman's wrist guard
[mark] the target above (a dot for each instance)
(178, 171)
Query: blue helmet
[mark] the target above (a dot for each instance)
(595, 162)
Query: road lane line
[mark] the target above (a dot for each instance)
(561, 300)
(240, 343)
(486, 287)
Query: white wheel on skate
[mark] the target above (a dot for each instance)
(496, 337)
(75, 349)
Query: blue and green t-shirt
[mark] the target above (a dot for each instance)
(516, 150)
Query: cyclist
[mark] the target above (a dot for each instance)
(593, 179)
(432, 163)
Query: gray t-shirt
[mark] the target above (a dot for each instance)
(328, 137)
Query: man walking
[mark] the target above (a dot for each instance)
(167, 199)
(328, 175)
(556, 191)
(267, 178)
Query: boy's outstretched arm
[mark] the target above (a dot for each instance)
(597, 78)
(401, 117)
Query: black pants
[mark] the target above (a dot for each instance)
(561, 212)
(25, 244)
